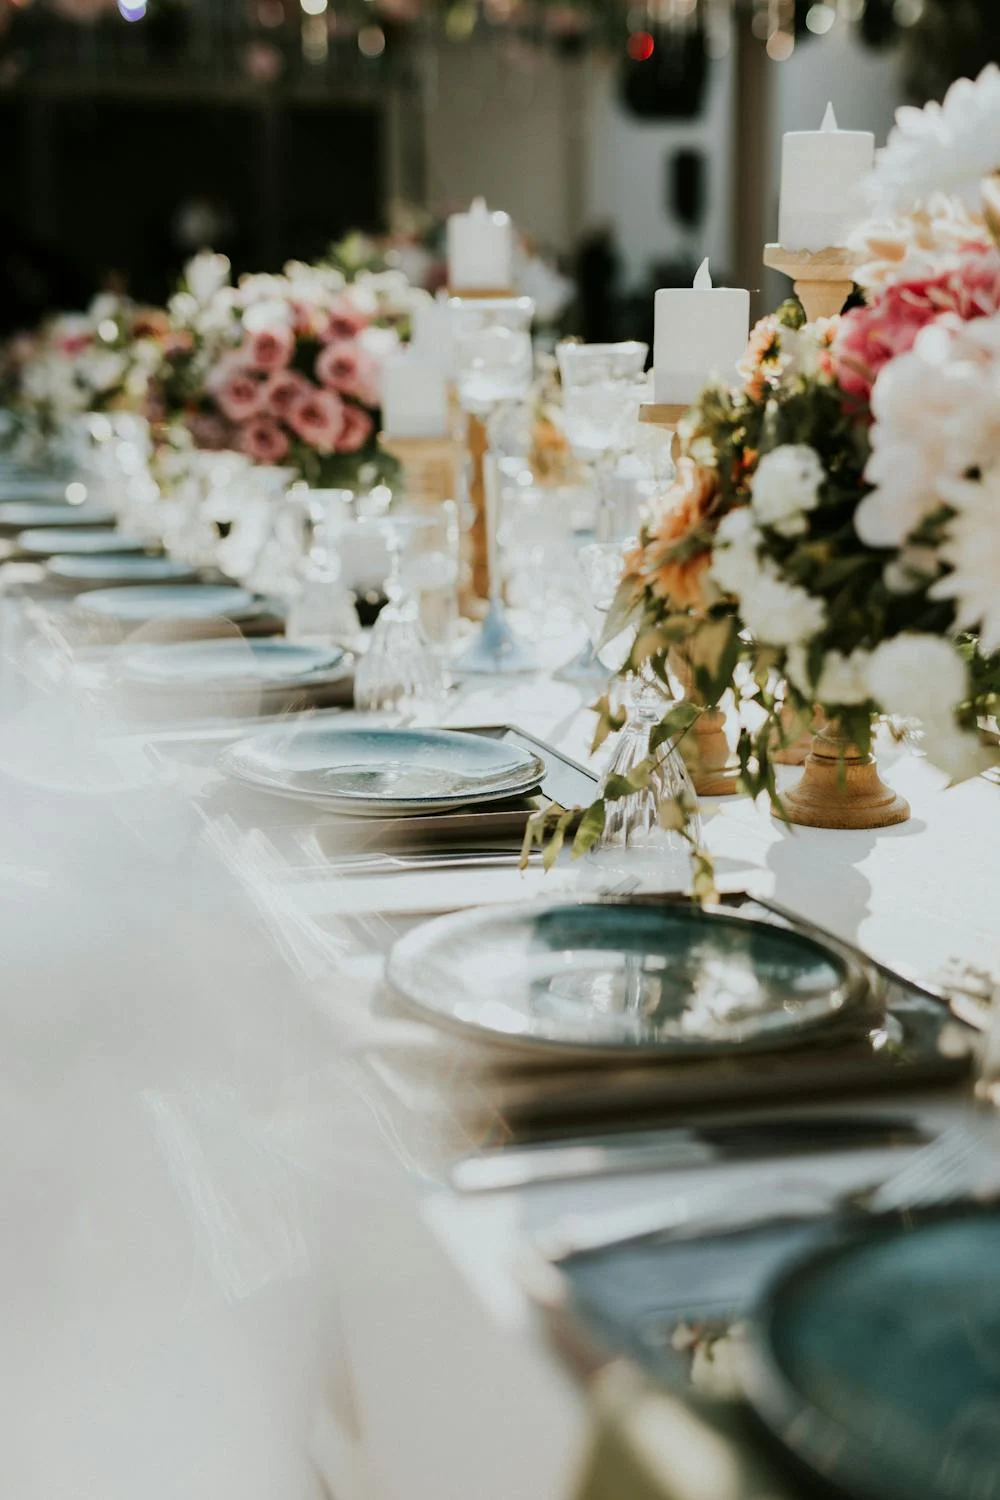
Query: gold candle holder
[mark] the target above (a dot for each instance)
(823, 279)
(841, 788)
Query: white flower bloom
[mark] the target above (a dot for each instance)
(972, 547)
(947, 147)
(268, 314)
(104, 305)
(735, 564)
(927, 242)
(843, 680)
(959, 754)
(777, 613)
(206, 274)
(786, 484)
(102, 370)
(917, 676)
(937, 414)
(380, 343)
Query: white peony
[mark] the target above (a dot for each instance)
(972, 547)
(843, 680)
(942, 148)
(267, 315)
(937, 413)
(735, 564)
(917, 676)
(925, 243)
(786, 484)
(206, 274)
(777, 613)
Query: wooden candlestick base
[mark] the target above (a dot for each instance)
(823, 279)
(841, 788)
(428, 466)
(717, 773)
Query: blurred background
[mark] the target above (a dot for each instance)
(627, 140)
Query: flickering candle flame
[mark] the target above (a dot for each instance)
(830, 118)
(703, 277)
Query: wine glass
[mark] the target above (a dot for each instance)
(400, 669)
(321, 607)
(602, 388)
(494, 367)
(634, 820)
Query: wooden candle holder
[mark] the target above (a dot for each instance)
(841, 788)
(823, 279)
(663, 414)
(428, 465)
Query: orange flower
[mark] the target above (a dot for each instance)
(678, 548)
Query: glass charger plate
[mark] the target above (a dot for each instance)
(878, 1362)
(46, 541)
(25, 515)
(214, 666)
(27, 487)
(110, 568)
(380, 772)
(183, 601)
(617, 979)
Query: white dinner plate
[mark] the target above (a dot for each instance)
(375, 772)
(222, 666)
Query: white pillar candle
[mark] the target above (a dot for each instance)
(480, 250)
(414, 398)
(430, 330)
(700, 333)
(821, 176)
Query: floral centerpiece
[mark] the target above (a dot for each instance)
(286, 368)
(832, 539)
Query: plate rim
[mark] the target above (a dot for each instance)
(123, 557)
(803, 1429)
(318, 677)
(366, 806)
(861, 988)
(256, 605)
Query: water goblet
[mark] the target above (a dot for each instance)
(494, 367)
(602, 391)
(400, 670)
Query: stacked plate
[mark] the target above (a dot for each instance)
(383, 773)
(177, 607)
(21, 487)
(266, 676)
(22, 515)
(79, 570)
(627, 980)
(48, 541)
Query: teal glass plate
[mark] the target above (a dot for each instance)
(374, 772)
(214, 666)
(24, 515)
(617, 978)
(48, 541)
(145, 603)
(878, 1362)
(118, 568)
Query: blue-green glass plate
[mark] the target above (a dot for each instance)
(145, 603)
(48, 541)
(221, 666)
(32, 487)
(25, 515)
(617, 978)
(384, 772)
(878, 1362)
(118, 568)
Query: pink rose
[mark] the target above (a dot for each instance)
(282, 390)
(263, 441)
(345, 367)
(210, 431)
(318, 419)
(270, 349)
(357, 429)
(240, 397)
(346, 322)
(869, 337)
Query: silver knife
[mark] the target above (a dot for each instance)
(676, 1148)
(389, 864)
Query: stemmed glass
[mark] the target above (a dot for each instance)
(494, 366)
(321, 606)
(602, 390)
(635, 819)
(400, 669)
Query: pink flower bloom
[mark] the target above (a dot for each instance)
(270, 349)
(210, 431)
(344, 367)
(358, 428)
(869, 337)
(318, 419)
(239, 397)
(282, 390)
(263, 441)
(346, 322)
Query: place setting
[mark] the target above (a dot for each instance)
(499, 695)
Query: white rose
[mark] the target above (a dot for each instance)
(380, 343)
(786, 484)
(917, 676)
(781, 614)
(206, 274)
(267, 315)
(843, 679)
(952, 750)
(102, 370)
